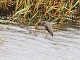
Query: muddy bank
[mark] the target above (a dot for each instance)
(21, 44)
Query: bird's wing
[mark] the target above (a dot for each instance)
(49, 29)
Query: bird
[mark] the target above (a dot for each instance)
(48, 26)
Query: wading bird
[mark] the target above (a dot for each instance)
(48, 26)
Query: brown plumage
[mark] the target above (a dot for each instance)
(48, 26)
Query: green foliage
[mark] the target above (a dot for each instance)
(51, 10)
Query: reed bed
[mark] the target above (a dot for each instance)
(31, 12)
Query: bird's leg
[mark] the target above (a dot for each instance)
(45, 33)
(35, 33)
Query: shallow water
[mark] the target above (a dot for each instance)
(26, 44)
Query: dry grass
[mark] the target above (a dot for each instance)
(32, 12)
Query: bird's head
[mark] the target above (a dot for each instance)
(43, 22)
